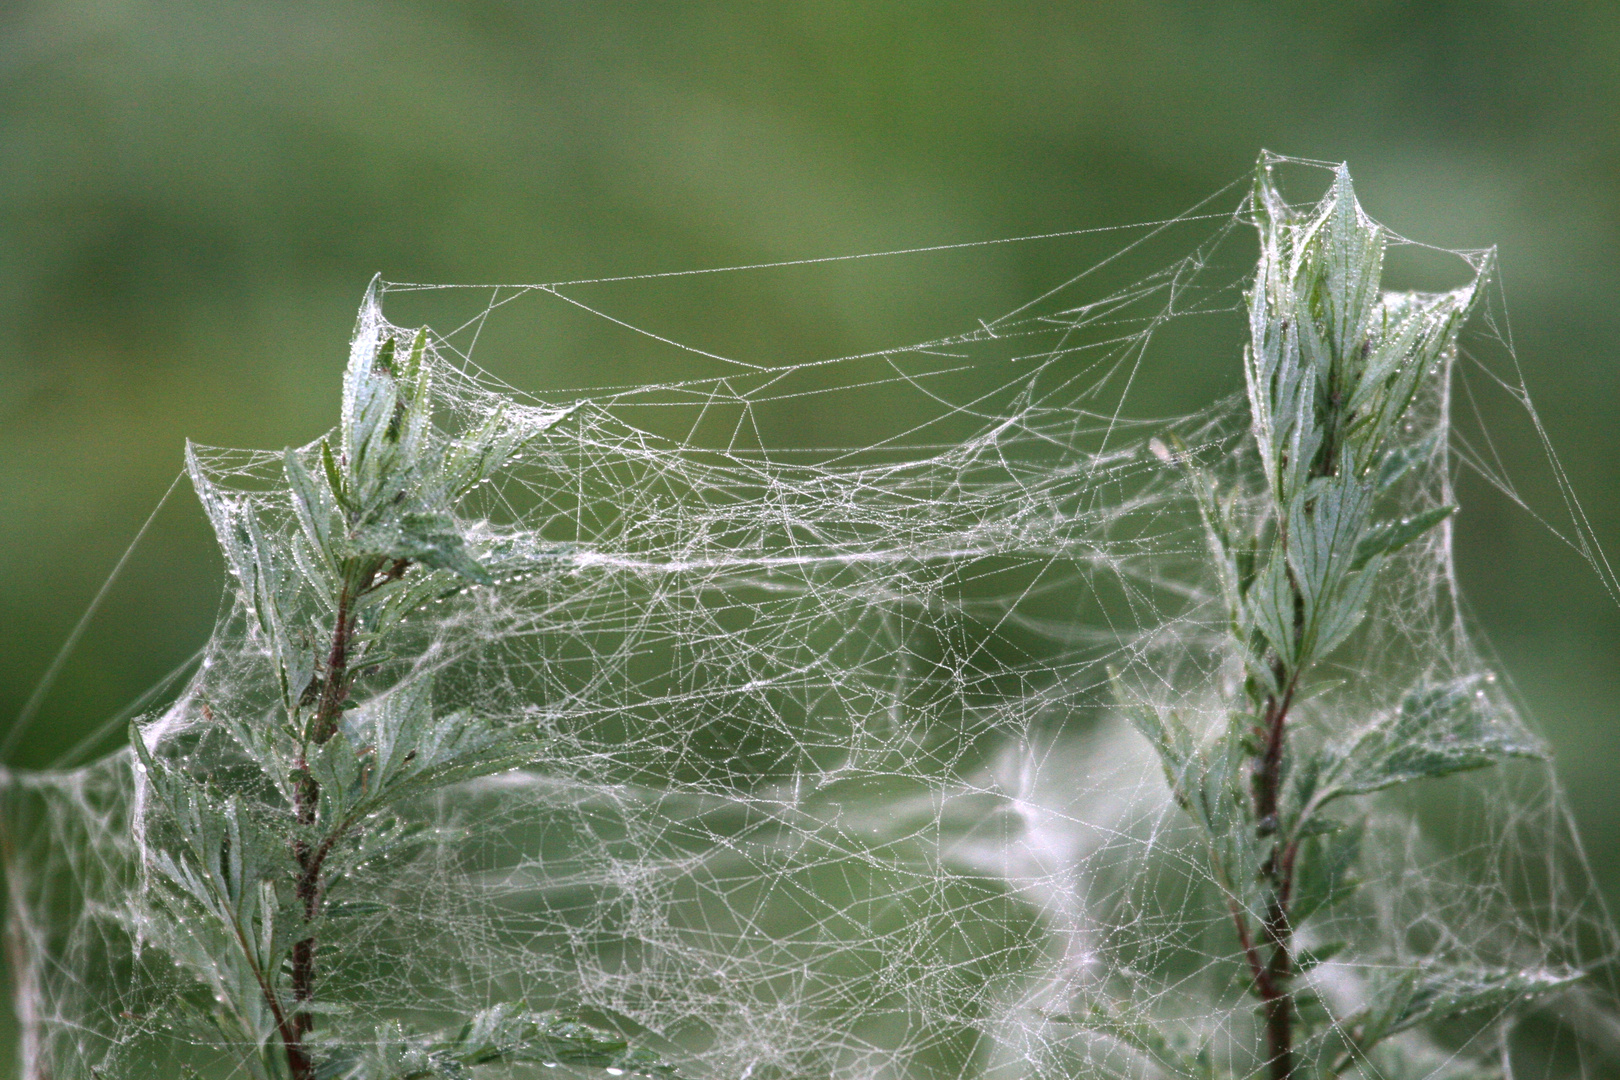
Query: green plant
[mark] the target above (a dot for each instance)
(800, 765)
(245, 890)
(1333, 368)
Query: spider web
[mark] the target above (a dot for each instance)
(833, 784)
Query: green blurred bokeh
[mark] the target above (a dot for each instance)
(194, 195)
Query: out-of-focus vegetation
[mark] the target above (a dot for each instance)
(193, 197)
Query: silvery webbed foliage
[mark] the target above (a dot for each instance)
(1334, 370)
(1020, 734)
(247, 876)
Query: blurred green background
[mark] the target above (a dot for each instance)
(194, 195)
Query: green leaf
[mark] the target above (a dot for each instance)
(1402, 1000)
(1389, 537)
(273, 590)
(312, 507)
(341, 773)
(1324, 522)
(1348, 256)
(1344, 610)
(476, 455)
(432, 539)
(1233, 564)
(410, 751)
(411, 423)
(1271, 601)
(377, 842)
(385, 355)
(1415, 332)
(1324, 871)
(1439, 729)
(369, 450)
(1177, 749)
(334, 476)
(1400, 460)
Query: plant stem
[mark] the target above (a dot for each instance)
(307, 794)
(1271, 976)
(1271, 980)
(323, 725)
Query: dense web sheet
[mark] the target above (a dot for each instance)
(834, 784)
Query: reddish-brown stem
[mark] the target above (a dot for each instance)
(1257, 967)
(335, 683)
(1271, 978)
(1271, 974)
(307, 794)
(1276, 1002)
